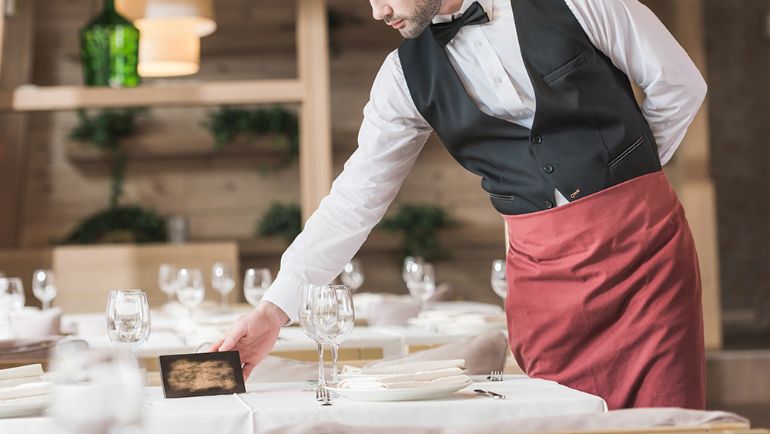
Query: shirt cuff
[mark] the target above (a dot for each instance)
(285, 293)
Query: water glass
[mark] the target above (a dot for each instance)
(96, 391)
(305, 315)
(256, 282)
(422, 282)
(11, 299)
(167, 280)
(190, 289)
(222, 281)
(498, 279)
(353, 275)
(346, 318)
(44, 286)
(128, 319)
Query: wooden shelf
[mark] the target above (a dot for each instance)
(47, 98)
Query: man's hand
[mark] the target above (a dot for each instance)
(253, 335)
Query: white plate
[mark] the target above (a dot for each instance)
(406, 394)
(25, 407)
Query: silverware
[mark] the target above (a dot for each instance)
(323, 393)
(495, 376)
(490, 394)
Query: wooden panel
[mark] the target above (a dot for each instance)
(315, 159)
(88, 273)
(34, 98)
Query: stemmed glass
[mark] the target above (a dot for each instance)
(11, 298)
(256, 282)
(44, 287)
(353, 275)
(222, 281)
(190, 289)
(167, 279)
(346, 317)
(498, 279)
(421, 281)
(128, 319)
(306, 309)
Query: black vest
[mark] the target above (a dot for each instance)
(588, 132)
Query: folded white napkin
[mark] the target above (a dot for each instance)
(382, 383)
(18, 381)
(411, 367)
(21, 372)
(26, 390)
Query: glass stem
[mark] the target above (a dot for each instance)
(223, 303)
(335, 353)
(170, 297)
(321, 379)
(46, 304)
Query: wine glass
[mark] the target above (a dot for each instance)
(190, 289)
(96, 391)
(422, 282)
(498, 279)
(256, 281)
(11, 298)
(411, 264)
(44, 287)
(222, 281)
(305, 315)
(353, 275)
(346, 317)
(167, 277)
(128, 318)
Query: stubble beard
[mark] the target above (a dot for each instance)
(421, 18)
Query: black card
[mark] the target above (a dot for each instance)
(201, 374)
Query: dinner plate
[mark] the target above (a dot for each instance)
(24, 406)
(406, 394)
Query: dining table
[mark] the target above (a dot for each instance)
(265, 406)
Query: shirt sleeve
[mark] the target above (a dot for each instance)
(390, 139)
(638, 44)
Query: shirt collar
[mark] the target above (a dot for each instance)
(488, 5)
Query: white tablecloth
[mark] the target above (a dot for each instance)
(268, 406)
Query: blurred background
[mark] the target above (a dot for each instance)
(233, 170)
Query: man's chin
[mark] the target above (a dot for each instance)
(411, 32)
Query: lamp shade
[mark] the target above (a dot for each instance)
(164, 53)
(197, 14)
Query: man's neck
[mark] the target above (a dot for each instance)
(449, 7)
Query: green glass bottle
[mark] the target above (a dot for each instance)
(109, 50)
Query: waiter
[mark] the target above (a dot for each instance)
(534, 96)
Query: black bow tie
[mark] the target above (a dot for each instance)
(444, 32)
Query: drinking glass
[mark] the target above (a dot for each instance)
(422, 282)
(190, 289)
(346, 317)
(44, 287)
(353, 275)
(167, 280)
(305, 315)
(498, 279)
(256, 281)
(11, 299)
(96, 391)
(411, 266)
(222, 281)
(128, 319)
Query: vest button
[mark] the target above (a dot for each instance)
(548, 169)
(548, 204)
(537, 140)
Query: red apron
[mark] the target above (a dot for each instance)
(605, 297)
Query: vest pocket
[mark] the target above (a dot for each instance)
(565, 69)
(501, 196)
(615, 161)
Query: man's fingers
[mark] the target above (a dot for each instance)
(247, 368)
(231, 338)
(215, 347)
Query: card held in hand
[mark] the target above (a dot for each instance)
(201, 374)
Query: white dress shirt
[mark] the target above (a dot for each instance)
(489, 62)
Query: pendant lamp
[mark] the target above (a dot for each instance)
(198, 14)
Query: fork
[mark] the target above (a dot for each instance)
(490, 394)
(323, 395)
(495, 376)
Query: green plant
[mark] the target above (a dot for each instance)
(420, 225)
(227, 124)
(123, 224)
(105, 131)
(281, 220)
